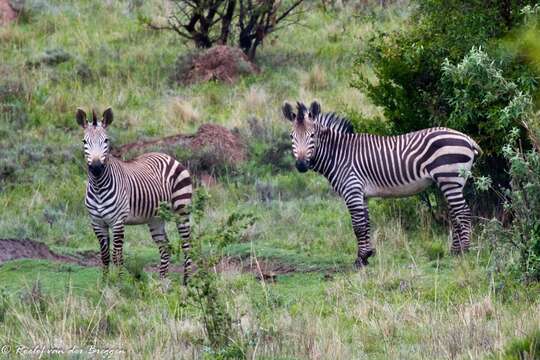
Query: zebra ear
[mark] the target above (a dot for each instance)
(314, 109)
(80, 115)
(288, 112)
(107, 117)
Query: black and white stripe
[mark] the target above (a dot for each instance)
(359, 166)
(123, 193)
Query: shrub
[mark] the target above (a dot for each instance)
(418, 85)
(518, 247)
(482, 101)
(407, 63)
(203, 291)
(524, 204)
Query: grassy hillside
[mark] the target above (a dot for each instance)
(414, 301)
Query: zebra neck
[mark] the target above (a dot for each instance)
(103, 182)
(330, 154)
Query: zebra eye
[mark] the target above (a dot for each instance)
(106, 141)
(291, 136)
(84, 142)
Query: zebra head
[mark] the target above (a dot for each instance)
(304, 132)
(96, 141)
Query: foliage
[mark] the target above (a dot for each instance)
(523, 205)
(482, 101)
(364, 124)
(448, 67)
(407, 63)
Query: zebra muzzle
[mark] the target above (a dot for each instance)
(96, 167)
(302, 165)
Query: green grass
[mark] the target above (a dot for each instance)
(413, 301)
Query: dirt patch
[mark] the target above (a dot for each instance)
(261, 268)
(209, 152)
(7, 13)
(213, 136)
(12, 249)
(221, 63)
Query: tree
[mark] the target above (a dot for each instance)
(244, 22)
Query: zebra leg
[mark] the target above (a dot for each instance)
(184, 229)
(360, 221)
(462, 214)
(118, 243)
(460, 217)
(465, 222)
(102, 233)
(157, 230)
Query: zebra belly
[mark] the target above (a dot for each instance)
(398, 191)
(137, 220)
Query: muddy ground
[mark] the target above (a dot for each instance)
(262, 269)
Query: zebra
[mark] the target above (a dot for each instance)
(120, 193)
(360, 166)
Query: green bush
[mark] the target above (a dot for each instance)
(482, 101)
(407, 62)
(437, 72)
(517, 248)
(524, 204)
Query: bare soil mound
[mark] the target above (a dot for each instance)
(7, 13)
(211, 147)
(12, 249)
(221, 140)
(221, 63)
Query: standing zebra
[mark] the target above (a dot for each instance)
(123, 193)
(359, 166)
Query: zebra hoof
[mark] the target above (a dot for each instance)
(361, 263)
(166, 285)
(459, 251)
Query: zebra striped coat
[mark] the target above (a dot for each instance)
(359, 166)
(123, 193)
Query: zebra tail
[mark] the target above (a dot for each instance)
(476, 148)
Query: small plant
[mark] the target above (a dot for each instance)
(526, 348)
(435, 250)
(203, 291)
(4, 305)
(35, 299)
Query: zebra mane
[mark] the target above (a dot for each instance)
(335, 122)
